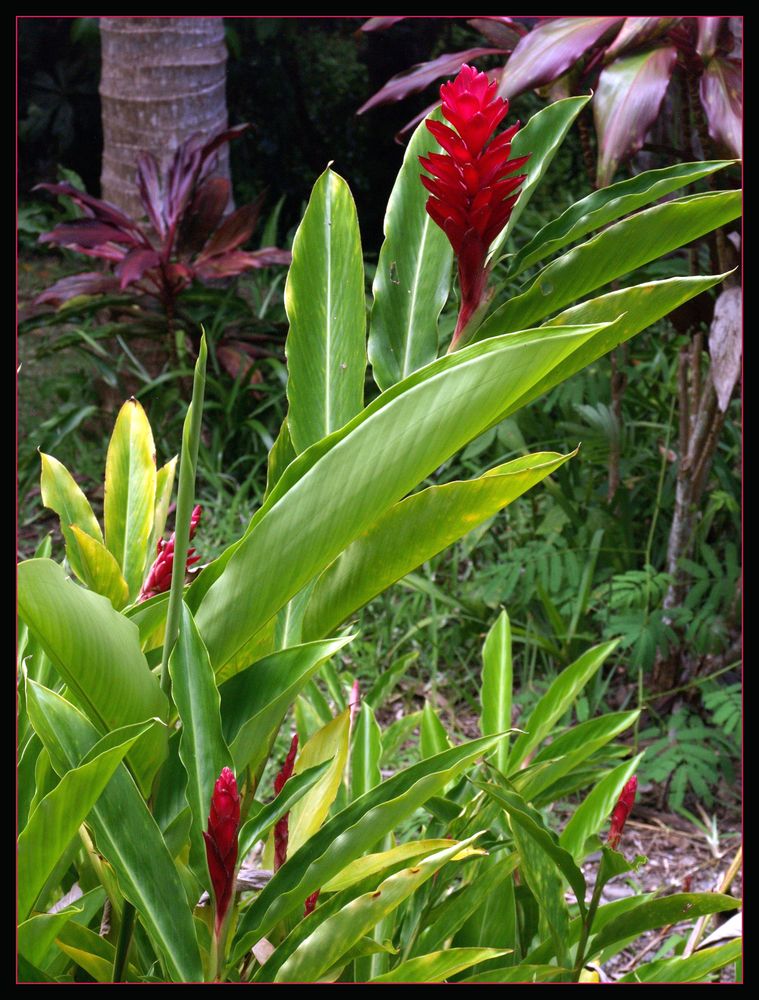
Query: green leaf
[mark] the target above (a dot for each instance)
(383, 686)
(294, 789)
(328, 743)
(596, 808)
(100, 571)
(413, 531)
(529, 820)
(280, 456)
(376, 459)
(324, 299)
(692, 969)
(37, 934)
(433, 738)
(518, 974)
(370, 864)
(202, 749)
(97, 653)
(92, 953)
(130, 492)
(254, 701)
(413, 275)
(557, 699)
(616, 251)
(332, 938)
(541, 137)
(628, 311)
(359, 826)
(569, 751)
(61, 494)
(608, 204)
(497, 681)
(366, 752)
(55, 821)
(163, 486)
(439, 965)
(660, 913)
(126, 835)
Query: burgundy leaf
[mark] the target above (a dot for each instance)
(380, 23)
(135, 264)
(230, 264)
(88, 283)
(236, 361)
(233, 232)
(226, 136)
(551, 49)
(179, 275)
(107, 251)
(96, 207)
(504, 32)
(87, 233)
(627, 101)
(725, 344)
(637, 31)
(721, 96)
(204, 214)
(182, 177)
(422, 75)
(708, 33)
(149, 186)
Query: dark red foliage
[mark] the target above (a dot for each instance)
(221, 841)
(187, 238)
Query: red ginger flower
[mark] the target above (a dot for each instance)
(159, 577)
(281, 830)
(622, 811)
(221, 841)
(472, 194)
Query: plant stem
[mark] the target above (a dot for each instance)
(586, 928)
(123, 942)
(185, 500)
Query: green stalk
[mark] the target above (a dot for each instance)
(185, 501)
(595, 900)
(123, 941)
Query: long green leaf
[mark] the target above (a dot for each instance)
(518, 974)
(91, 952)
(413, 531)
(557, 699)
(61, 493)
(616, 251)
(163, 489)
(332, 938)
(596, 808)
(57, 818)
(381, 455)
(497, 680)
(541, 138)
(608, 204)
(366, 752)
(324, 299)
(100, 571)
(126, 835)
(254, 701)
(692, 969)
(295, 788)
(628, 312)
(130, 492)
(439, 965)
(97, 653)
(370, 864)
(660, 913)
(202, 749)
(360, 826)
(37, 934)
(413, 275)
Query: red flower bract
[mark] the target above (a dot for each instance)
(221, 841)
(622, 811)
(282, 827)
(159, 578)
(472, 195)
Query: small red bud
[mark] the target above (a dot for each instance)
(621, 812)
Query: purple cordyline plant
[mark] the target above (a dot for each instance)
(187, 238)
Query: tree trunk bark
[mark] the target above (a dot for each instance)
(163, 79)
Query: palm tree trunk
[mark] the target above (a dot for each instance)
(163, 79)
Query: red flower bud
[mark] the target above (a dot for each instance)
(281, 830)
(472, 194)
(221, 841)
(621, 812)
(311, 903)
(159, 577)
